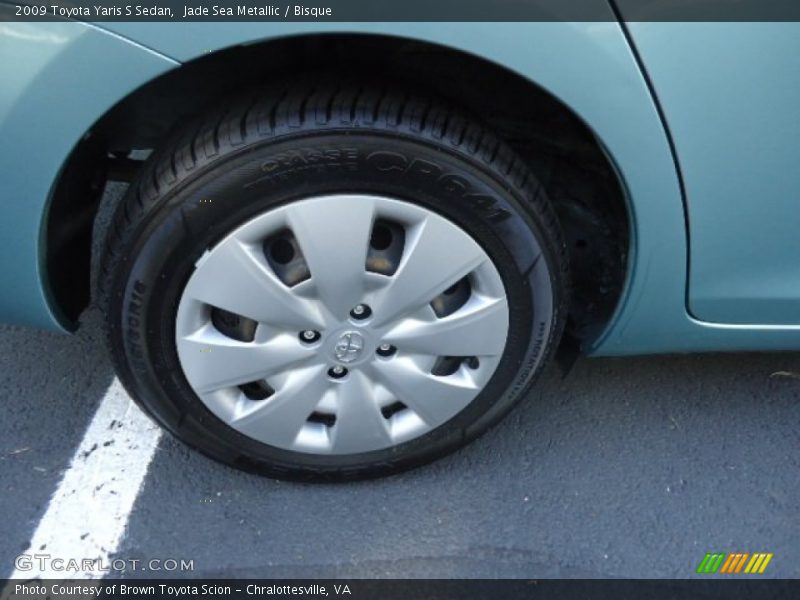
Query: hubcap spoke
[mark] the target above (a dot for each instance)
(360, 426)
(334, 237)
(437, 256)
(279, 418)
(232, 277)
(477, 329)
(212, 361)
(434, 399)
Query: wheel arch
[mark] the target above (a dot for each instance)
(525, 108)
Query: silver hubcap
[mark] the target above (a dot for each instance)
(341, 324)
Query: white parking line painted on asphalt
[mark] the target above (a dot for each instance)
(88, 514)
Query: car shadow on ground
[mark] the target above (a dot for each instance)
(627, 467)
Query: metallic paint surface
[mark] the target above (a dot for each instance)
(588, 66)
(731, 97)
(57, 80)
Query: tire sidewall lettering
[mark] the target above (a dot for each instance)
(212, 203)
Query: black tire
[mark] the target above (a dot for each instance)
(273, 147)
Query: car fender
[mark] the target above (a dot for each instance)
(588, 66)
(58, 78)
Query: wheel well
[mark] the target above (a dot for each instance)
(560, 148)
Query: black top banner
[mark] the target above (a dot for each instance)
(387, 589)
(402, 10)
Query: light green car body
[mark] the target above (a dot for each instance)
(699, 120)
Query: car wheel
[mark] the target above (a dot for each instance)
(332, 283)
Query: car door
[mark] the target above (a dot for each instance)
(730, 96)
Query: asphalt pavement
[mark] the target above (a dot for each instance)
(625, 468)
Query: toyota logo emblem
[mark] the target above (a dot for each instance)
(349, 347)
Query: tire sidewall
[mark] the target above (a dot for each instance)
(208, 204)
